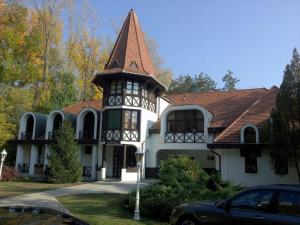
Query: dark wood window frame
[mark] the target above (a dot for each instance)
(185, 121)
(117, 88)
(251, 163)
(122, 128)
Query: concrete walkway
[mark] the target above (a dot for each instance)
(47, 198)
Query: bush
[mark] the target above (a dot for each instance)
(64, 165)
(9, 173)
(181, 180)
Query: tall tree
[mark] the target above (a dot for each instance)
(286, 115)
(229, 81)
(64, 160)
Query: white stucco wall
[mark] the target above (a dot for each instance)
(233, 168)
(162, 105)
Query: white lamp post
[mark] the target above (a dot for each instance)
(3, 156)
(139, 154)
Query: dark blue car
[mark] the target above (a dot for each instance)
(263, 205)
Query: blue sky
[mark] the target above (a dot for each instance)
(253, 38)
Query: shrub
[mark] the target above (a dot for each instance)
(64, 165)
(9, 173)
(181, 180)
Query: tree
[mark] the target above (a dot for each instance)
(64, 160)
(286, 116)
(229, 81)
(199, 83)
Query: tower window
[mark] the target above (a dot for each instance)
(131, 119)
(116, 87)
(132, 88)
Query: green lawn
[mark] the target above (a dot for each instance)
(12, 188)
(103, 209)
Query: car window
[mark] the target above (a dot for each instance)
(254, 200)
(289, 203)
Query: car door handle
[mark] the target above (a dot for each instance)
(258, 217)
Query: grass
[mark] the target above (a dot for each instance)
(103, 209)
(19, 187)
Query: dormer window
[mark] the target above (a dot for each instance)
(249, 135)
(185, 121)
(185, 126)
(134, 65)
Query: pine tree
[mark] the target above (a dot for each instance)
(229, 81)
(64, 161)
(286, 116)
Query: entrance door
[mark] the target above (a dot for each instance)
(117, 161)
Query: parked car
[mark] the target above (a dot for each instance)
(263, 205)
(19, 215)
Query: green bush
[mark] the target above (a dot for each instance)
(181, 180)
(64, 164)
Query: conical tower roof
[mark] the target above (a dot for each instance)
(130, 55)
(130, 52)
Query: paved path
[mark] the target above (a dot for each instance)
(47, 198)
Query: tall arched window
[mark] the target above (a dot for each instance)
(185, 121)
(250, 135)
(57, 122)
(88, 125)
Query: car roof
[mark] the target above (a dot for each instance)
(283, 187)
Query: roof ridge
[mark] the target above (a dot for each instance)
(243, 114)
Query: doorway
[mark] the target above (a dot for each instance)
(117, 161)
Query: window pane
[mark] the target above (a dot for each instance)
(289, 203)
(135, 88)
(190, 115)
(134, 120)
(114, 119)
(249, 135)
(199, 115)
(129, 87)
(127, 119)
(119, 87)
(180, 127)
(179, 115)
(254, 200)
(250, 164)
(171, 116)
(171, 126)
(199, 126)
(113, 87)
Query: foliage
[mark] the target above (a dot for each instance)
(229, 81)
(198, 83)
(286, 115)
(9, 173)
(64, 160)
(181, 180)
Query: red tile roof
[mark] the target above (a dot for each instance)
(256, 114)
(130, 53)
(225, 106)
(77, 107)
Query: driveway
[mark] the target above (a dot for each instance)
(47, 198)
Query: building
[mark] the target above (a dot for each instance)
(220, 129)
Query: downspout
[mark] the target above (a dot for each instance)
(220, 157)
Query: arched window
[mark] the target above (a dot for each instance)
(250, 135)
(29, 126)
(185, 121)
(57, 122)
(88, 125)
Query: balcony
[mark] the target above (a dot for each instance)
(115, 136)
(191, 137)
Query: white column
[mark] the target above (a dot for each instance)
(104, 163)
(99, 162)
(94, 162)
(33, 158)
(20, 155)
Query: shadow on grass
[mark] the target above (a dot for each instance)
(102, 209)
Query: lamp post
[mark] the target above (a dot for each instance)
(139, 154)
(3, 156)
